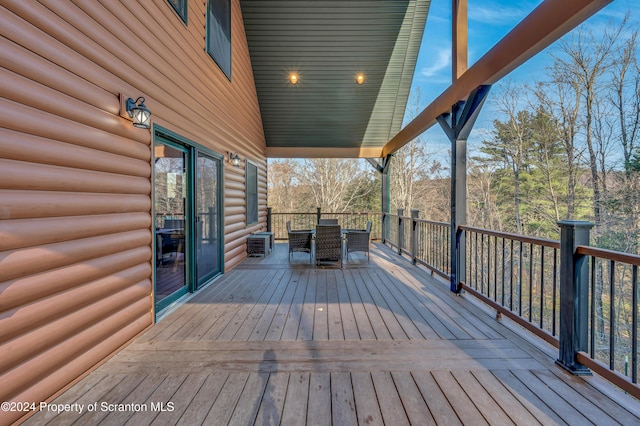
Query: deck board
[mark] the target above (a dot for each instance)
(319, 402)
(366, 399)
(195, 402)
(182, 388)
(438, 405)
(272, 403)
(390, 403)
(375, 342)
(412, 400)
(294, 411)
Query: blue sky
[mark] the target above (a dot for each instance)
(489, 21)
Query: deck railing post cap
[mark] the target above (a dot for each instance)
(576, 224)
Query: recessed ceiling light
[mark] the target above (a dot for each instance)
(360, 78)
(293, 78)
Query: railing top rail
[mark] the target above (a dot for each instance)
(632, 259)
(330, 213)
(516, 237)
(294, 213)
(433, 222)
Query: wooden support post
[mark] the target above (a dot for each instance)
(458, 210)
(269, 219)
(318, 214)
(457, 125)
(386, 206)
(574, 295)
(414, 236)
(460, 37)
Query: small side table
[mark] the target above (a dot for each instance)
(259, 243)
(270, 234)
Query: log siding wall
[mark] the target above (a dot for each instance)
(75, 177)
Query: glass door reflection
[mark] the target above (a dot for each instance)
(207, 235)
(170, 207)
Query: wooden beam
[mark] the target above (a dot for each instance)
(460, 31)
(546, 24)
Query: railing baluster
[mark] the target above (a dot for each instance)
(555, 289)
(488, 266)
(520, 281)
(504, 264)
(468, 258)
(612, 334)
(541, 286)
(432, 242)
(530, 281)
(511, 271)
(592, 329)
(495, 269)
(476, 271)
(634, 324)
(480, 265)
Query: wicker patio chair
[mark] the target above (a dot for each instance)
(299, 241)
(328, 244)
(328, 222)
(358, 240)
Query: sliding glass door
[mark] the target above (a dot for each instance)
(188, 227)
(208, 248)
(171, 222)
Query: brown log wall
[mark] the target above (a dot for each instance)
(75, 177)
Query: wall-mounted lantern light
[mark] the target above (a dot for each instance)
(234, 159)
(139, 112)
(136, 110)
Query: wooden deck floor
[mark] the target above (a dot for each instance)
(379, 342)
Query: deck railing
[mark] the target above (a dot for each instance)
(515, 274)
(581, 299)
(433, 240)
(613, 314)
(308, 220)
(521, 278)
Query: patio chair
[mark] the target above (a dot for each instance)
(358, 240)
(327, 221)
(328, 244)
(299, 241)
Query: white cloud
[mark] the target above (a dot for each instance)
(499, 14)
(441, 60)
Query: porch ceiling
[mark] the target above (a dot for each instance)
(327, 43)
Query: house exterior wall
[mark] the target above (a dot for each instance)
(75, 177)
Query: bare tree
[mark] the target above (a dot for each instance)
(284, 194)
(585, 58)
(562, 101)
(414, 169)
(483, 211)
(625, 98)
(330, 181)
(546, 150)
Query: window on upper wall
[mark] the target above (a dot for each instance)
(219, 33)
(252, 193)
(180, 6)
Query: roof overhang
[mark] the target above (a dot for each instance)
(327, 43)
